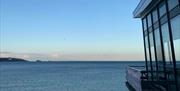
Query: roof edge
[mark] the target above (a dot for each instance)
(140, 8)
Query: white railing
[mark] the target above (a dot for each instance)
(133, 76)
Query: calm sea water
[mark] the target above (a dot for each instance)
(64, 76)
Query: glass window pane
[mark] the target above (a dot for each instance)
(155, 16)
(147, 53)
(152, 50)
(159, 53)
(145, 24)
(149, 20)
(177, 50)
(172, 4)
(162, 9)
(166, 43)
(158, 49)
(147, 47)
(152, 46)
(175, 25)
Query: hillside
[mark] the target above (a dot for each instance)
(12, 60)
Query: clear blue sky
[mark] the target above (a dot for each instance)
(70, 30)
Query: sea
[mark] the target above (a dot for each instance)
(64, 76)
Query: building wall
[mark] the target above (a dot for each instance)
(161, 29)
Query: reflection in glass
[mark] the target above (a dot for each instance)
(167, 50)
(152, 49)
(162, 9)
(155, 16)
(147, 53)
(144, 24)
(172, 4)
(158, 44)
(177, 49)
(152, 54)
(175, 25)
(158, 49)
(149, 20)
(166, 42)
(159, 52)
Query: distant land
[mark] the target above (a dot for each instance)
(12, 60)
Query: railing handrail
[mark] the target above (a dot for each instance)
(135, 68)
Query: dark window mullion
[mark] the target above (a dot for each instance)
(144, 46)
(150, 59)
(155, 51)
(172, 45)
(162, 45)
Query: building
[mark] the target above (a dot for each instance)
(161, 34)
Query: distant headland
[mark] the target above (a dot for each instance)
(9, 59)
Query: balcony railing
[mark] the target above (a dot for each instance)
(140, 79)
(133, 76)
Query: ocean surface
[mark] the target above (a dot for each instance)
(64, 76)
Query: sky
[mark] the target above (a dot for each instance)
(70, 30)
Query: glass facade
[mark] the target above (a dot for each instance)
(144, 24)
(162, 42)
(162, 9)
(172, 4)
(158, 45)
(149, 20)
(152, 47)
(155, 16)
(175, 25)
(147, 53)
(166, 43)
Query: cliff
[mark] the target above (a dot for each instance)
(12, 60)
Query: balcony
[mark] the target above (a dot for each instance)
(133, 76)
(138, 79)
